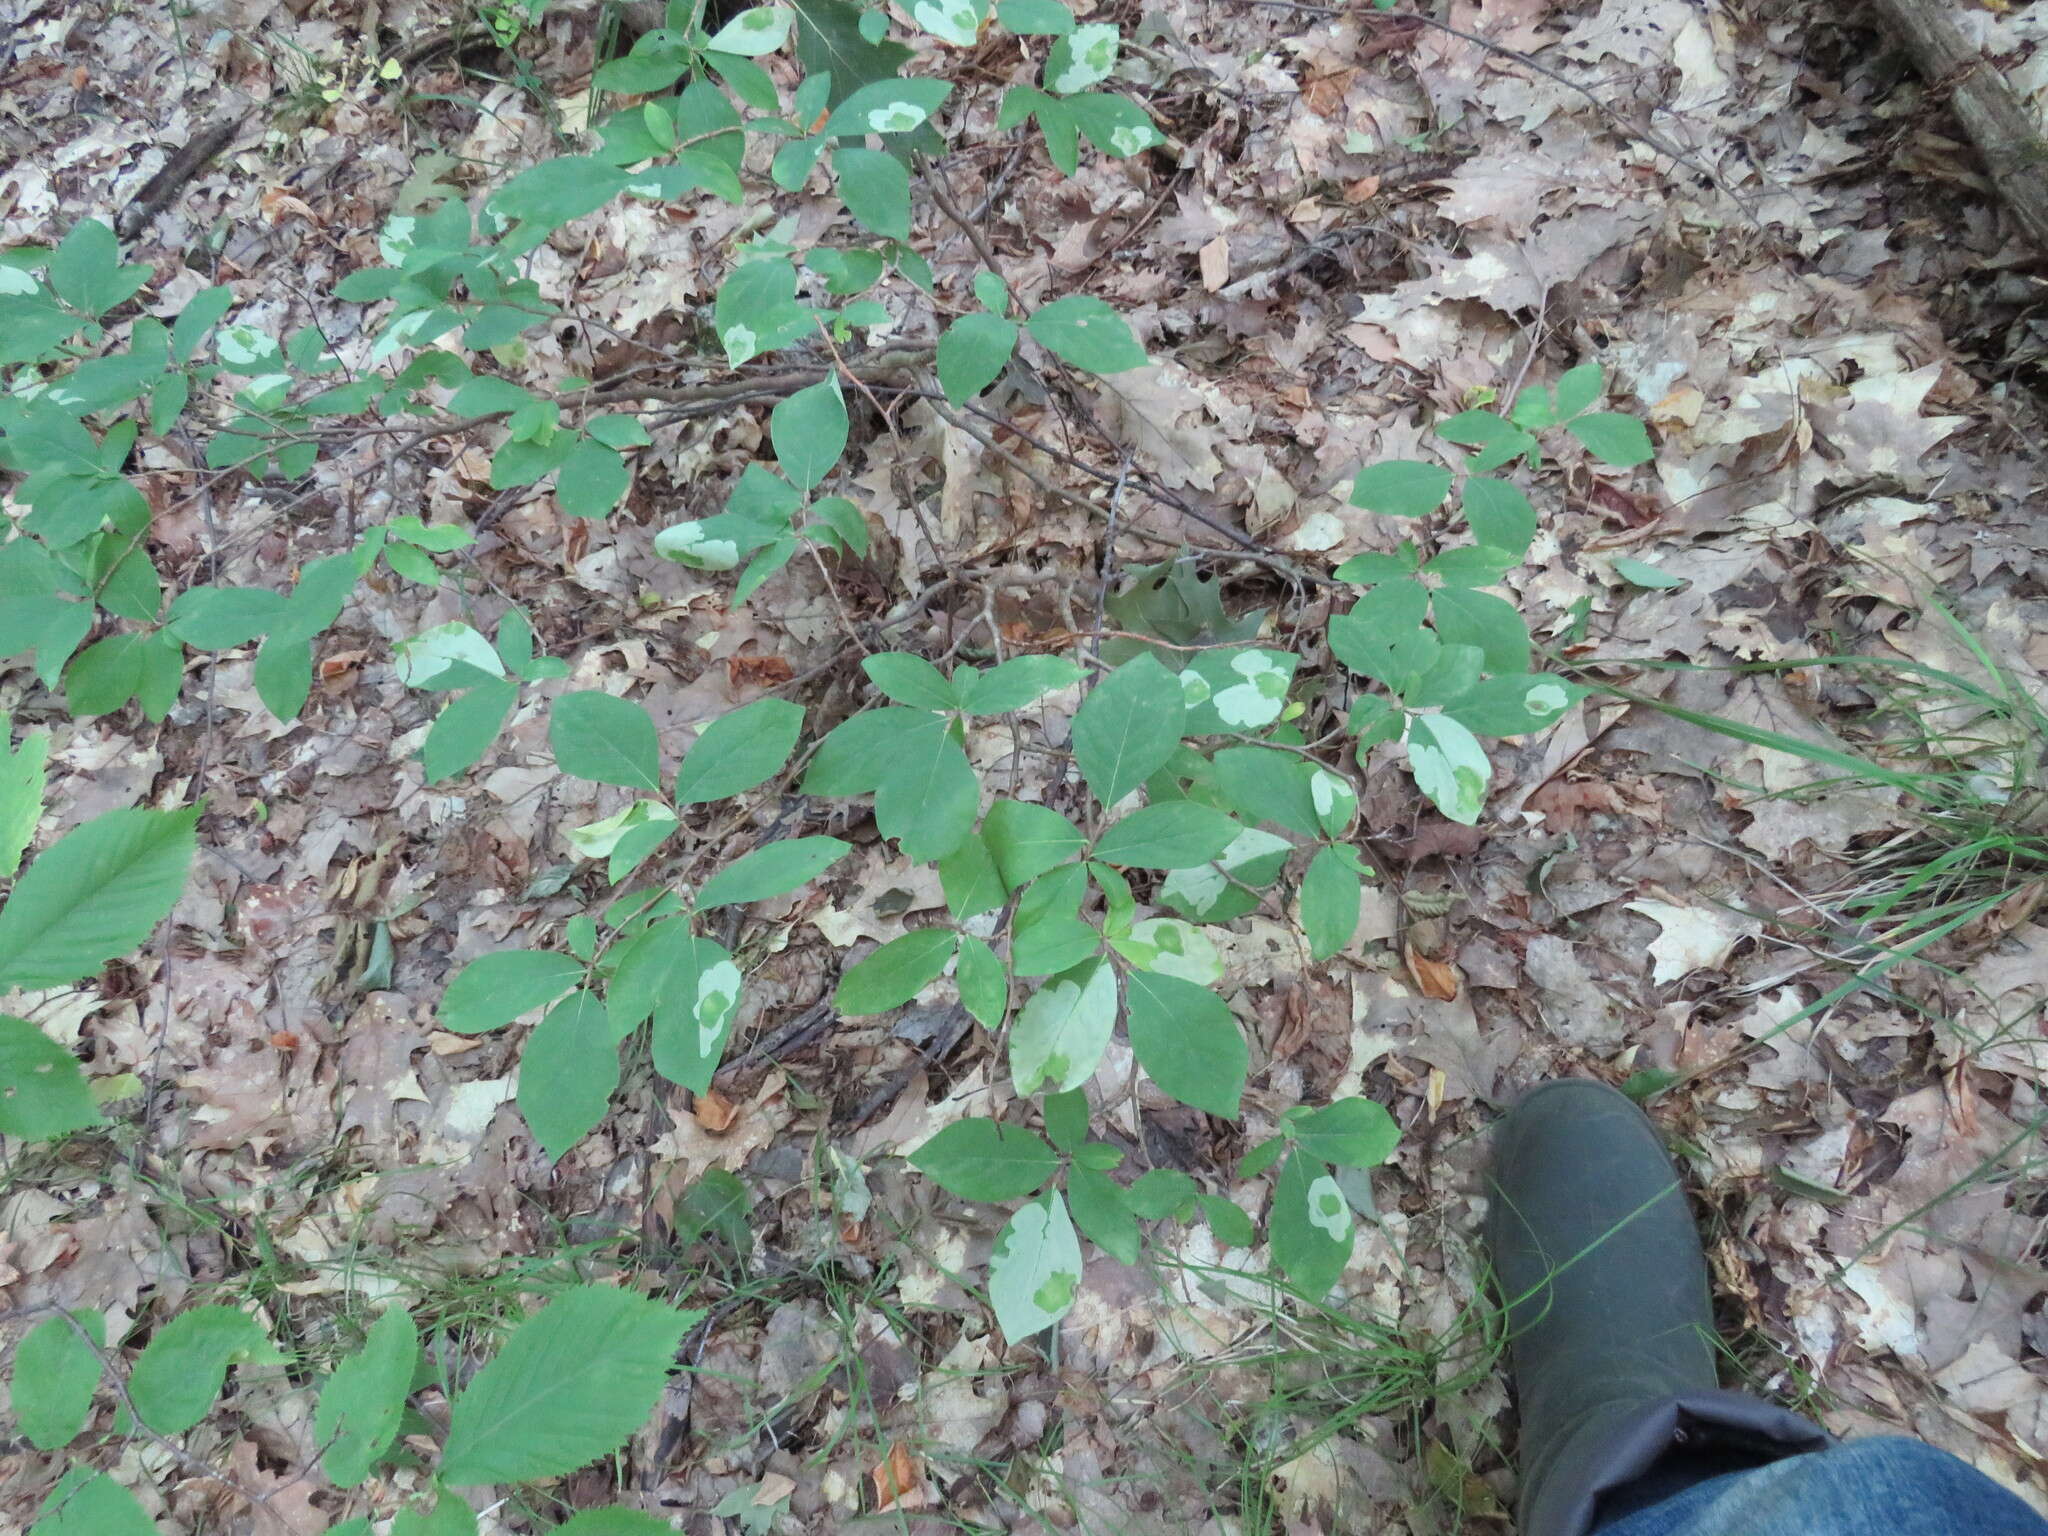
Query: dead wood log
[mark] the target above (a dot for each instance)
(2002, 126)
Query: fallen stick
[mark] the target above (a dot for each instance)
(1998, 122)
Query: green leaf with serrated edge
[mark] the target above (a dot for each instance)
(44, 1094)
(1127, 728)
(1352, 1133)
(609, 740)
(1177, 834)
(928, 797)
(572, 1384)
(1066, 1119)
(895, 973)
(973, 351)
(970, 879)
(95, 894)
(362, 1403)
(1578, 388)
(1492, 623)
(910, 680)
(1160, 1192)
(463, 732)
(1232, 1227)
(738, 751)
(1498, 514)
(773, 870)
(1401, 488)
(1102, 1213)
(1613, 438)
(1331, 897)
(1514, 706)
(1449, 766)
(1061, 1032)
(856, 753)
(986, 1160)
(175, 1380)
(984, 985)
(1310, 1226)
(1013, 684)
(1034, 1271)
(23, 778)
(56, 1372)
(1265, 784)
(1026, 840)
(808, 429)
(85, 1503)
(1641, 573)
(693, 1018)
(493, 990)
(568, 1070)
(875, 187)
(1081, 329)
(1187, 1040)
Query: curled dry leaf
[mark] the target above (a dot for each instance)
(899, 1481)
(1436, 979)
(715, 1112)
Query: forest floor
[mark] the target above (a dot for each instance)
(1758, 220)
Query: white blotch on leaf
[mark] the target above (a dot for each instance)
(1257, 700)
(718, 990)
(740, 343)
(1327, 1210)
(686, 544)
(1194, 688)
(897, 117)
(1545, 699)
(241, 346)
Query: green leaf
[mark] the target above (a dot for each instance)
(1514, 706)
(1335, 800)
(910, 680)
(1401, 488)
(86, 270)
(364, 1400)
(85, 1503)
(201, 314)
(433, 657)
(571, 1384)
(986, 1160)
(845, 520)
(1082, 330)
(1236, 690)
(1103, 1213)
(984, 986)
(592, 479)
(1061, 1033)
(973, 352)
(1177, 834)
(1045, 934)
(611, 740)
(1352, 1133)
(1449, 766)
(1471, 565)
(1578, 388)
(1643, 574)
(463, 732)
(875, 186)
(284, 675)
(1026, 840)
(56, 1373)
(1035, 18)
(1081, 58)
(555, 191)
(1172, 948)
(1035, 1268)
(1266, 784)
(1066, 1119)
(1116, 125)
(612, 1520)
(888, 106)
(105, 675)
(1160, 1192)
(1613, 438)
(970, 879)
(928, 797)
(1232, 1227)
(1479, 618)
(772, 870)
(176, 1379)
(1498, 438)
(895, 973)
(1498, 514)
(1331, 895)
(1309, 1226)
(739, 750)
(23, 778)
(567, 1071)
(809, 427)
(1453, 674)
(953, 21)
(855, 754)
(690, 986)
(1013, 684)
(493, 990)
(1187, 1040)
(95, 894)
(1128, 727)
(753, 33)
(449, 1516)
(43, 1094)
(659, 58)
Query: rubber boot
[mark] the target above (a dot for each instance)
(1609, 1316)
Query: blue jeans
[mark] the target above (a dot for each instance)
(1878, 1487)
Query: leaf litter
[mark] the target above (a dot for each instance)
(1365, 224)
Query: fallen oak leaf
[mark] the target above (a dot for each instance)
(1693, 938)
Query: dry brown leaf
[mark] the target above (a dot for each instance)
(899, 1484)
(1436, 979)
(715, 1112)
